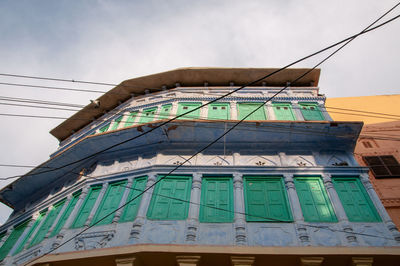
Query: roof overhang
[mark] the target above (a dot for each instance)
(185, 77)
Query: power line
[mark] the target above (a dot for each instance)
(50, 87)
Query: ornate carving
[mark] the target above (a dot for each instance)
(301, 164)
(93, 240)
(260, 163)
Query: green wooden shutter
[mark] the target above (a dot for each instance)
(218, 111)
(186, 107)
(148, 115)
(283, 111)
(31, 230)
(311, 112)
(104, 128)
(117, 122)
(109, 203)
(266, 200)
(216, 196)
(13, 238)
(165, 111)
(355, 200)
(246, 108)
(314, 201)
(164, 206)
(47, 223)
(87, 206)
(66, 214)
(131, 209)
(131, 119)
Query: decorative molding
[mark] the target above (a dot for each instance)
(242, 261)
(311, 261)
(93, 240)
(188, 260)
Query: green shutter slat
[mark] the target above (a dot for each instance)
(47, 223)
(186, 107)
(246, 108)
(283, 111)
(12, 239)
(355, 200)
(148, 115)
(29, 234)
(109, 203)
(87, 206)
(165, 111)
(216, 197)
(105, 128)
(66, 214)
(117, 122)
(131, 209)
(168, 208)
(131, 119)
(311, 112)
(266, 200)
(314, 201)
(218, 111)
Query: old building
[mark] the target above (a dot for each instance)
(282, 187)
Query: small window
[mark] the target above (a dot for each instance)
(185, 107)
(285, 108)
(215, 108)
(367, 144)
(383, 166)
(223, 107)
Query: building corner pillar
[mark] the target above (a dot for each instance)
(240, 219)
(193, 219)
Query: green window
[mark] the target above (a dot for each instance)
(170, 199)
(148, 115)
(216, 197)
(186, 107)
(131, 209)
(12, 238)
(165, 111)
(246, 108)
(355, 200)
(66, 214)
(104, 128)
(87, 206)
(265, 199)
(283, 111)
(109, 203)
(47, 223)
(218, 111)
(31, 230)
(314, 201)
(2, 235)
(117, 122)
(131, 119)
(311, 112)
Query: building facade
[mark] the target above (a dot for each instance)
(282, 187)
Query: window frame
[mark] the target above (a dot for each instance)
(387, 167)
(275, 105)
(316, 106)
(256, 104)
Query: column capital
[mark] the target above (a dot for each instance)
(242, 261)
(311, 261)
(237, 177)
(362, 261)
(125, 261)
(327, 179)
(152, 177)
(188, 260)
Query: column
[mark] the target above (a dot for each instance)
(339, 210)
(123, 200)
(311, 261)
(233, 110)
(297, 111)
(174, 110)
(362, 261)
(194, 207)
(188, 260)
(203, 111)
(242, 261)
(324, 112)
(126, 261)
(379, 206)
(97, 203)
(78, 205)
(270, 110)
(59, 215)
(144, 204)
(240, 219)
(301, 229)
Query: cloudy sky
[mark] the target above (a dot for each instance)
(110, 41)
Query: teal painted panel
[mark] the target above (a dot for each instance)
(216, 200)
(311, 112)
(66, 214)
(169, 201)
(246, 108)
(283, 111)
(47, 223)
(314, 201)
(165, 111)
(131, 209)
(148, 115)
(109, 203)
(218, 111)
(87, 206)
(131, 119)
(12, 239)
(266, 200)
(117, 122)
(31, 230)
(186, 107)
(104, 128)
(355, 200)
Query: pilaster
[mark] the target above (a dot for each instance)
(362, 261)
(324, 112)
(203, 111)
(270, 112)
(242, 261)
(240, 219)
(74, 212)
(131, 261)
(174, 110)
(188, 260)
(233, 110)
(118, 213)
(297, 111)
(59, 216)
(193, 219)
(311, 261)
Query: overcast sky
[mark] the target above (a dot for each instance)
(110, 41)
